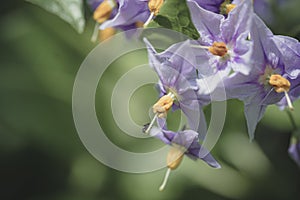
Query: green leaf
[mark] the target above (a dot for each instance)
(175, 15)
(69, 10)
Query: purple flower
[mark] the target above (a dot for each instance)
(261, 7)
(177, 84)
(223, 44)
(272, 76)
(131, 13)
(188, 140)
(294, 149)
(123, 15)
(184, 142)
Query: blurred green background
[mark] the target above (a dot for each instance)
(42, 157)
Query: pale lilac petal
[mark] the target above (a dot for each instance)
(238, 22)
(290, 50)
(211, 5)
(207, 23)
(253, 113)
(129, 12)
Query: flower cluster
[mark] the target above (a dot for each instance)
(255, 66)
(123, 14)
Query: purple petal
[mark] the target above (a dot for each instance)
(211, 5)
(290, 50)
(160, 134)
(185, 138)
(129, 12)
(253, 114)
(195, 117)
(238, 22)
(207, 23)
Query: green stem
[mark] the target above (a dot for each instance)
(291, 117)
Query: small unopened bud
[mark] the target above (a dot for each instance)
(155, 5)
(279, 83)
(174, 157)
(103, 11)
(163, 105)
(218, 49)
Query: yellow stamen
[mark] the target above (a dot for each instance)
(218, 49)
(229, 8)
(226, 7)
(279, 83)
(162, 106)
(139, 24)
(106, 33)
(155, 5)
(103, 11)
(174, 159)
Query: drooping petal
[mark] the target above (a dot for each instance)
(209, 159)
(253, 113)
(196, 151)
(185, 138)
(195, 117)
(164, 137)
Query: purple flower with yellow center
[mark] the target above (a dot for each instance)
(223, 46)
(272, 76)
(133, 12)
(122, 14)
(177, 85)
(223, 7)
(182, 143)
